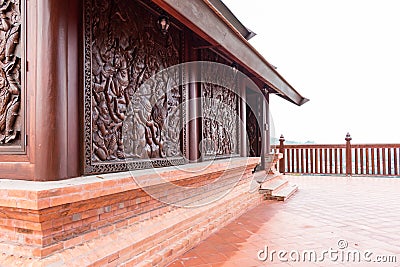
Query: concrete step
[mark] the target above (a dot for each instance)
(285, 192)
(272, 186)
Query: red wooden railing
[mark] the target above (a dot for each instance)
(346, 159)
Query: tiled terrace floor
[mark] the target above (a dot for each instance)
(363, 212)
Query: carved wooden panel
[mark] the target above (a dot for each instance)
(133, 114)
(12, 77)
(220, 107)
(253, 133)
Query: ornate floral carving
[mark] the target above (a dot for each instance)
(219, 108)
(134, 111)
(10, 72)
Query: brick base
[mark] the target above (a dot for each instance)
(137, 218)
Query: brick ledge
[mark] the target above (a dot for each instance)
(35, 195)
(175, 232)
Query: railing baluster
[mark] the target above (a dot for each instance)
(302, 160)
(293, 159)
(356, 161)
(367, 161)
(389, 161)
(316, 160)
(312, 160)
(372, 160)
(378, 160)
(398, 161)
(396, 170)
(321, 162)
(341, 160)
(336, 160)
(326, 160)
(278, 163)
(297, 160)
(282, 162)
(384, 160)
(330, 161)
(306, 151)
(362, 161)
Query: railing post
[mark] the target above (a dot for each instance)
(348, 155)
(282, 151)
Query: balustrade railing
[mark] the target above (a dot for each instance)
(345, 159)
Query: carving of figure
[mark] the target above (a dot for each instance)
(159, 113)
(99, 132)
(132, 106)
(141, 108)
(10, 89)
(220, 108)
(9, 107)
(9, 24)
(251, 128)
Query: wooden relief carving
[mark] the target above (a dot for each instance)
(133, 115)
(253, 133)
(11, 71)
(219, 109)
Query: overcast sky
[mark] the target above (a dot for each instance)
(344, 55)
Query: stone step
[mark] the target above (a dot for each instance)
(273, 185)
(285, 192)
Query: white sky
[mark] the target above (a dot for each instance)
(344, 55)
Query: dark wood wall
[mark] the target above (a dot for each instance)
(48, 116)
(86, 100)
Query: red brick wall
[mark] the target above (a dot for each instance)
(43, 221)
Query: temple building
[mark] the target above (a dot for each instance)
(130, 130)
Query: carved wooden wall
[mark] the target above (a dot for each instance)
(12, 77)
(220, 106)
(133, 117)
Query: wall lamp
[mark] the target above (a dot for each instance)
(234, 67)
(163, 23)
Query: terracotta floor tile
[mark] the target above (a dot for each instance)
(206, 248)
(224, 264)
(363, 213)
(213, 258)
(177, 263)
(226, 248)
(192, 260)
(246, 263)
